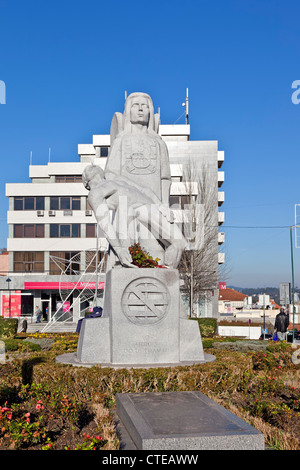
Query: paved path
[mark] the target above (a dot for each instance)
(58, 327)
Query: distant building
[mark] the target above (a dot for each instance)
(285, 293)
(264, 300)
(4, 264)
(231, 301)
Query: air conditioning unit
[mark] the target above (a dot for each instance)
(68, 212)
(88, 212)
(40, 213)
(51, 213)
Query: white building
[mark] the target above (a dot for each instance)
(49, 219)
(264, 300)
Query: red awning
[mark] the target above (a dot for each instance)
(63, 285)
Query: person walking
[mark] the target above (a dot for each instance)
(38, 313)
(281, 325)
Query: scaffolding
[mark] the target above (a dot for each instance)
(72, 280)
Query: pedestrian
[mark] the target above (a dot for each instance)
(281, 324)
(38, 313)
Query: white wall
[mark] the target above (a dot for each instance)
(243, 331)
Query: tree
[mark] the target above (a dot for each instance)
(199, 266)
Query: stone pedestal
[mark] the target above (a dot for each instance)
(143, 323)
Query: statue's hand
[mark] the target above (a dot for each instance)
(166, 212)
(125, 258)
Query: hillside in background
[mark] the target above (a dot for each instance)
(273, 292)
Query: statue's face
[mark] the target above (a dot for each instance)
(139, 111)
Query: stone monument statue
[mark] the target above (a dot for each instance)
(138, 203)
(139, 154)
(144, 322)
(137, 151)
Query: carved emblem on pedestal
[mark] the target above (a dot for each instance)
(145, 301)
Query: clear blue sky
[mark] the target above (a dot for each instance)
(66, 65)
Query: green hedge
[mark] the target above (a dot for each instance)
(8, 327)
(208, 326)
(13, 344)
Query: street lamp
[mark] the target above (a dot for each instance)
(8, 280)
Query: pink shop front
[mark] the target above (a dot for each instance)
(47, 296)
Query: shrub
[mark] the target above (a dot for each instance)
(208, 326)
(8, 327)
(12, 344)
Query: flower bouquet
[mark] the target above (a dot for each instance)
(142, 259)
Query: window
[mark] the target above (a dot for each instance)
(180, 202)
(39, 203)
(174, 200)
(176, 179)
(88, 207)
(54, 203)
(29, 262)
(76, 203)
(185, 201)
(28, 231)
(90, 261)
(64, 261)
(75, 230)
(29, 203)
(103, 151)
(64, 203)
(68, 179)
(91, 231)
(64, 230)
(54, 230)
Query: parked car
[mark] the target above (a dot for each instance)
(290, 336)
(265, 336)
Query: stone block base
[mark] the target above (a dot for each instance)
(143, 323)
(182, 421)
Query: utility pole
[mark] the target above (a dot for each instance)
(191, 281)
(293, 284)
(264, 312)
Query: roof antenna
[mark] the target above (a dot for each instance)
(186, 111)
(49, 153)
(125, 95)
(30, 157)
(187, 107)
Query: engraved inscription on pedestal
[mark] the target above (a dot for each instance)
(145, 301)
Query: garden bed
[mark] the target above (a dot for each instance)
(73, 407)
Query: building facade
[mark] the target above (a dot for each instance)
(52, 231)
(232, 301)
